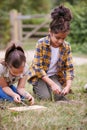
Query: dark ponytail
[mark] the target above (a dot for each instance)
(15, 56)
(61, 17)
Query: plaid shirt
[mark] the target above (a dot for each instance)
(42, 58)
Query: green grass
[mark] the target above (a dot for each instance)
(30, 44)
(79, 49)
(57, 116)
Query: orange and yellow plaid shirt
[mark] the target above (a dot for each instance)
(42, 58)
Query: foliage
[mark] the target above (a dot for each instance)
(78, 34)
(23, 6)
(4, 32)
(42, 6)
(79, 49)
(78, 26)
(72, 2)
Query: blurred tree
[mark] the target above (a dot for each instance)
(72, 2)
(79, 23)
(78, 7)
(23, 6)
(39, 6)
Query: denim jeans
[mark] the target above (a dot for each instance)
(5, 96)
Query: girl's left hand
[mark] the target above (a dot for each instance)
(65, 90)
(30, 98)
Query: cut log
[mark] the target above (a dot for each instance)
(26, 108)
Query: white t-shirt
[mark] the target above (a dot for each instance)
(10, 79)
(54, 59)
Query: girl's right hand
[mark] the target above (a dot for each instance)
(55, 88)
(30, 98)
(17, 98)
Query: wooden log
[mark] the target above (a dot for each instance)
(27, 108)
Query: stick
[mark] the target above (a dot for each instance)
(69, 102)
(23, 103)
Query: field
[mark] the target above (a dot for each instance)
(57, 116)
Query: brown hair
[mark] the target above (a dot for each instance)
(15, 56)
(61, 17)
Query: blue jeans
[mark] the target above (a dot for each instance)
(5, 96)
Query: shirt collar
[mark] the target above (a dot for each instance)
(47, 40)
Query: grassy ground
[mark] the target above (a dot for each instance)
(30, 44)
(57, 116)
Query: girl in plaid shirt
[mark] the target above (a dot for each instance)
(52, 67)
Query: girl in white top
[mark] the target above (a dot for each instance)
(14, 69)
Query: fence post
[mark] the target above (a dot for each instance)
(19, 27)
(14, 25)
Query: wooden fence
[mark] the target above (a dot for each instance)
(17, 25)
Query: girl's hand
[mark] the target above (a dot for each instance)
(31, 99)
(17, 98)
(65, 90)
(56, 89)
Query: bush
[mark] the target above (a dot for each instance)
(4, 32)
(78, 34)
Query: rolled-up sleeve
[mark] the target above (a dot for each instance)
(38, 61)
(68, 67)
